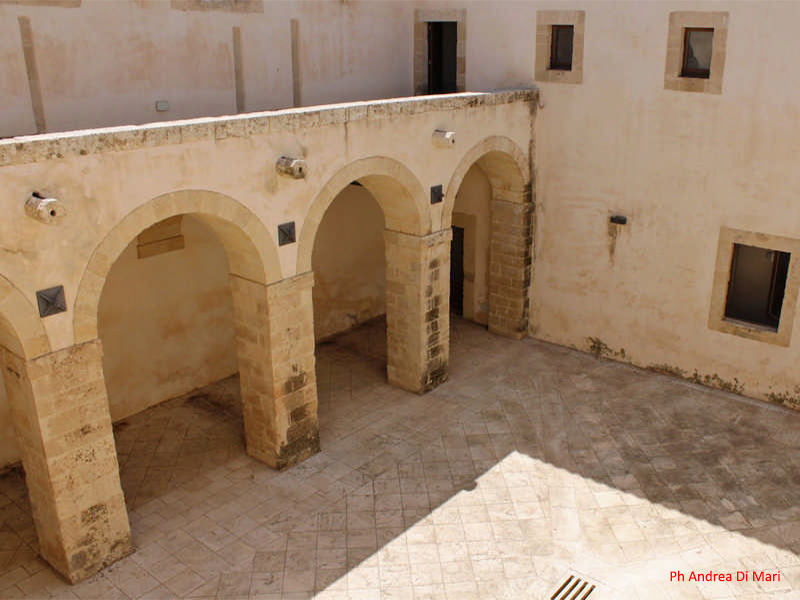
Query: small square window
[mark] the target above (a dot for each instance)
(757, 285)
(697, 45)
(561, 47)
(696, 49)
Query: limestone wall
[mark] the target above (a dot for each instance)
(349, 264)
(166, 322)
(107, 63)
(621, 138)
(681, 166)
(472, 212)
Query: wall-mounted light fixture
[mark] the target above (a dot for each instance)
(619, 219)
(444, 139)
(43, 209)
(292, 167)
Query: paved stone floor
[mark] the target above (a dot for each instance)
(533, 463)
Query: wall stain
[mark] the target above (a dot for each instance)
(710, 380)
(599, 348)
(613, 232)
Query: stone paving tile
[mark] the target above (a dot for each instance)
(533, 462)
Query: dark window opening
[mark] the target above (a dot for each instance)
(697, 44)
(561, 47)
(442, 38)
(757, 285)
(457, 272)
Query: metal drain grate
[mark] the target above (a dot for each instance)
(574, 588)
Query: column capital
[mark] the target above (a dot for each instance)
(516, 207)
(291, 285)
(409, 239)
(282, 287)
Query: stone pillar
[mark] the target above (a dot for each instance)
(61, 416)
(275, 347)
(510, 260)
(418, 309)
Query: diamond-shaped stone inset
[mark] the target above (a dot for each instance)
(51, 301)
(286, 233)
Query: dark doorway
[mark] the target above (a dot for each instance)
(442, 57)
(457, 272)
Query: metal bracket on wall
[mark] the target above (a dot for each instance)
(51, 301)
(437, 194)
(286, 233)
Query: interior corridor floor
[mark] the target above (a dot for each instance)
(533, 463)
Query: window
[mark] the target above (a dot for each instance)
(696, 51)
(561, 47)
(697, 44)
(757, 285)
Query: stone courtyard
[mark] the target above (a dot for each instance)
(533, 463)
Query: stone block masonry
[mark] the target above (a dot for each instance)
(510, 260)
(275, 348)
(63, 426)
(218, 172)
(418, 309)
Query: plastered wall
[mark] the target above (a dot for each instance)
(107, 63)
(349, 263)
(472, 212)
(680, 166)
(166, 322)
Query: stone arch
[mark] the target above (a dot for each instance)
(398, 192)
(21, 329)
(510, 234)
(250, 249)
(505, 165)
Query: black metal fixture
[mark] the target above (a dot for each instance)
(437, 194)
(286, 233)
(51, 301)
(619, 219)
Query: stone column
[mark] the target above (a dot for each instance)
(510, 260)
(418, 309)
(61, 416)
(275, 347)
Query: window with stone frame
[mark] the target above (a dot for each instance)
(756, 285)
(696, 48)
(559, 46)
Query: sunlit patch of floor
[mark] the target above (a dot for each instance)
(527, 525)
